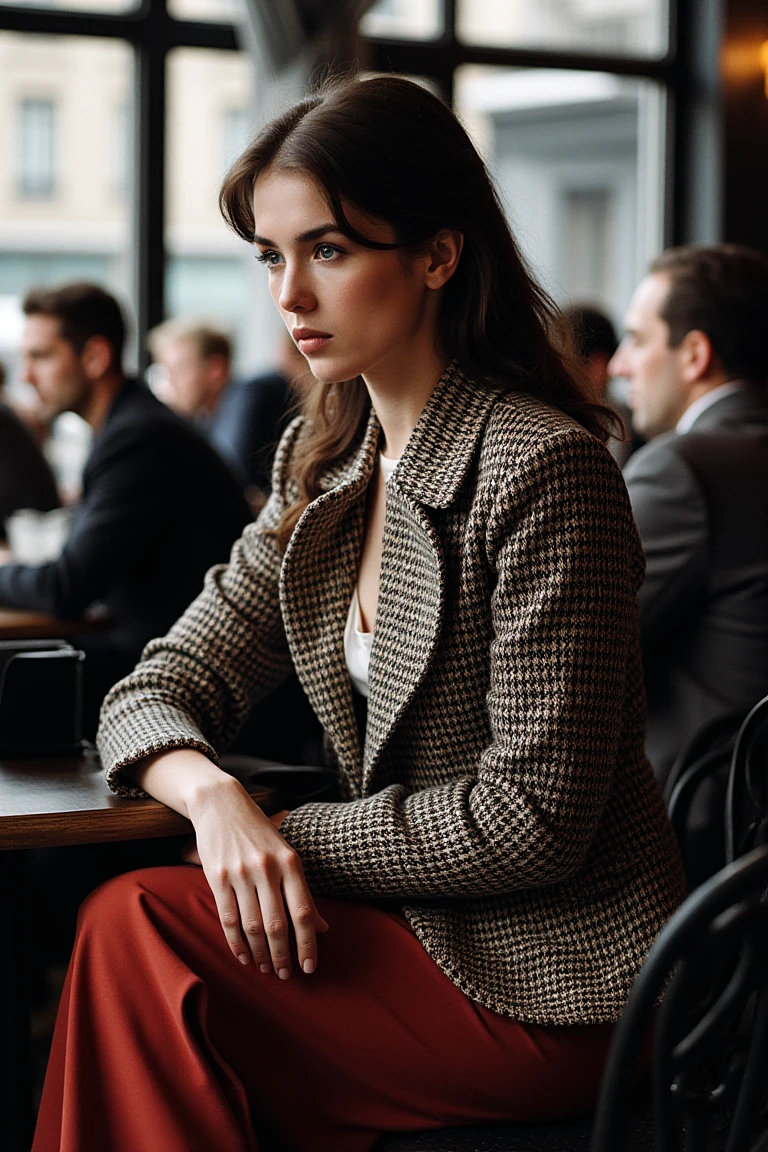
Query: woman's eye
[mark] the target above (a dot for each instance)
(326, 251)
(270, 258)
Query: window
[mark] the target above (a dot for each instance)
(36, 149)
(576, 158)
(236, 130)
(121, 117)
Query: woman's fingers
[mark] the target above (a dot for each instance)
(229, 916)
(252, 924)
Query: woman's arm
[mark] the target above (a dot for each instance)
(256, 878)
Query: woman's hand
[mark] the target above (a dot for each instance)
(257, 880)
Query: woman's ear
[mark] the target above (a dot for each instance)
(443, 258)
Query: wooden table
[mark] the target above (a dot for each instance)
(20, 624)
(45, 804)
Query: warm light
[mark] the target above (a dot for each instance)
(764, 62)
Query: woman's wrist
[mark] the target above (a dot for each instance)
(207, 789)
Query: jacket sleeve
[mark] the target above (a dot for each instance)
(195, 686)
(115, 525)
(564, 552)
(673, 521)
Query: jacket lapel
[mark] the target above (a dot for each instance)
(410, 612)
(321, 562)
(316, 584)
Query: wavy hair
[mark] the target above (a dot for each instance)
(395, 151)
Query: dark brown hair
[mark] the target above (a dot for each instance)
(392, 149)
(83, 310)
(721, 290)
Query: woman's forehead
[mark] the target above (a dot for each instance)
(289, 202)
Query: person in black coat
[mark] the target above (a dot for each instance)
(158, 508)
(26, 480)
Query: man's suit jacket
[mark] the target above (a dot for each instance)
(701, 505)
(26, 481)
(501, 794)
(248, 423)
(158, 508)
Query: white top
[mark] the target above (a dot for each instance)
(358, 644)
(695, 410)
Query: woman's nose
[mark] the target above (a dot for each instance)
(295, 294)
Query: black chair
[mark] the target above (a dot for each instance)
(746, 804)
(695, 795)
(709, 1069)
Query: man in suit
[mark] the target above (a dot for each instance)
(26, 480)
(158, 505)
(695, 354)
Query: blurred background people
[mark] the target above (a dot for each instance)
(242, 418)
(695, 355)
(158, 505)
(595, 341)
(26, 480)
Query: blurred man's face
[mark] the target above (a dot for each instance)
(187, 376)
(658, 393)
(54, 368)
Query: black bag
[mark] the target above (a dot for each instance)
(41, 698)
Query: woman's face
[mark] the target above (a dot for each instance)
(351, 310)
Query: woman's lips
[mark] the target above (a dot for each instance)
(309, 341)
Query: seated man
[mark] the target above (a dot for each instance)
(158, 506)
(696, 358)
(243, 419)
(26, 480)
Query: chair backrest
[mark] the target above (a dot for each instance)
(695, 795)
(746, 803)
(711, 1031)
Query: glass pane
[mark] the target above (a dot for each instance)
(76, 5)
(638, 27)
(65, 207)
(577, 159)
(218, 11)
(404, 19)
(210, 109)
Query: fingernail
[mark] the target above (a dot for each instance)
(284, 973)
(243, 958)
(308, 966)
(265, 967)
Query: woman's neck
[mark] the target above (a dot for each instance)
(399, 394)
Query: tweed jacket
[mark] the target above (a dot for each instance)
(502, 796)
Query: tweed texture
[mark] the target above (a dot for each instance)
(502, 796)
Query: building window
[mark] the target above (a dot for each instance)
(37, 174)
(236, 133)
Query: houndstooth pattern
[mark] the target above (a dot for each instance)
(502, 795)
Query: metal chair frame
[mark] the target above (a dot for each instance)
(711, 1032)
(747, 791)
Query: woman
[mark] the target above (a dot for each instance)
(448, 538)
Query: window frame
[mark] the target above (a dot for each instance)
(152, 33)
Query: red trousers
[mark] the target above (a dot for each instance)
(165, 1043)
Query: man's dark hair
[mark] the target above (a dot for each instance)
(721, 290)
(591, 331)
(83, 310)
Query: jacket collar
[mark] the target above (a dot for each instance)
(748, 405)
(440, 450)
